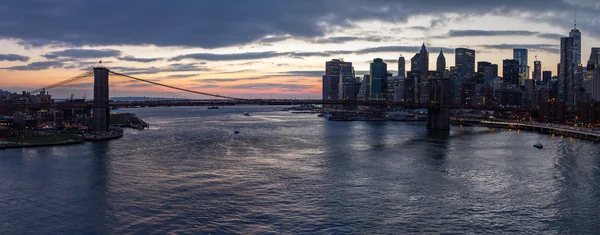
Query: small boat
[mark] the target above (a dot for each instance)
(538, 145)
(246, 114)
(236, 132)
(321, 115)
(213, 107)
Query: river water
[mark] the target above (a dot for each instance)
(296, 173)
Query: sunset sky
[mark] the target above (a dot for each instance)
(269, 48)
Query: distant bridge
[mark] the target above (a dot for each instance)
(438, 109)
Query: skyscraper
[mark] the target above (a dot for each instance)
(331, 79)
(378, 76)
(546, 76)
(537, 70)
(576, 35)
(401, 67)
(594, 55)
(441, 65)
(481, 70)
(414, 62)
(566, 70)
(465, 62)
(510, 72)
(347, 83)
(424, 62)
(520, 55)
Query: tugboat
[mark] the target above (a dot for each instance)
(236, 132)
(538, 145)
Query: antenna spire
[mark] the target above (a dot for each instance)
(575, 24)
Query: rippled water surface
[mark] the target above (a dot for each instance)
(296, 173)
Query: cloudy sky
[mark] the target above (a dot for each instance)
(269, 48)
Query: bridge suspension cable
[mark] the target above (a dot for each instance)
(175, 88)
(65, 82)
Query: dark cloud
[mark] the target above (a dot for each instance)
(220, 57)
(182, 75)
(389, 49)
(421, 28)
(268, 86)
(477, 33)
(551, 48)
(553, 36)
(219, 80)
(177, 67)
(143, 60)
(43, 65)
(303, 73)
(212, 24)
(343, 39)
(81, 54)
(13, 57)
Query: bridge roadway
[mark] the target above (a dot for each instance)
(544, 128)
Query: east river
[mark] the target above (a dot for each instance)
(296, 173)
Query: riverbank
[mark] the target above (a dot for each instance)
(10, 145)
(548, 129)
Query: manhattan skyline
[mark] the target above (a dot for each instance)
(282, 49)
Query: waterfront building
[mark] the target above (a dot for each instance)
(510, 72)
(553, 111)
(520, 55)
(378, 74)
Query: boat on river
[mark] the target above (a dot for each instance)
(538, 145)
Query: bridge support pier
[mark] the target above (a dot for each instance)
(439, 115)
(438, 119)
(101, 115)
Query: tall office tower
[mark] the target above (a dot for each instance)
(410, 86)
(537, 71)
(566, 71)
(490, 73)
(331, 79)
(365, 88)
(378, 76)
(401, 67)
(546, 76)
(414, 62)
(481, 70)
(521, 56)
(576, 35)
(594, 58)
(424, 62)
(594, 68)
(465, 62)
(347, 83)
(441, 65)
(510, 72)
